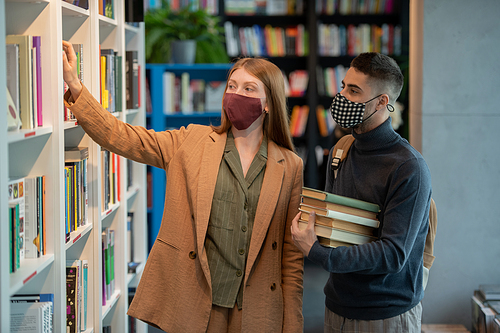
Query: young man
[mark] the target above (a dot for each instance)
(375, 287)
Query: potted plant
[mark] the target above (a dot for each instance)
(166, 29)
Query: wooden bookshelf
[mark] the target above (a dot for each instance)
(40, 151)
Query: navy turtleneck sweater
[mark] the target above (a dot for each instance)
(381, 279)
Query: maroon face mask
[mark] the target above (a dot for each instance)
(242, 110)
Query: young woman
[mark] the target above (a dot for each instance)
(223, 260)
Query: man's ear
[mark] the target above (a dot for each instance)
(383, 101)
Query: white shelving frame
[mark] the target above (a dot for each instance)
(41, 151)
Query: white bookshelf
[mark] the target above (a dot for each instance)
(41, 152)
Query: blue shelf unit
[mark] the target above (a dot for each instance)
(158, 121)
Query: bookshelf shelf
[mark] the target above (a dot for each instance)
(28, 134)
(131, 112)
(132, 192)
(112, 302)
(105, 21)
(133, 278)
(28, 271)
(72, 10)
(70, 124)
(75, 236)
(41, 152)
(112, 208)
(131, 29)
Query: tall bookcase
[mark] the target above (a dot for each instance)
(40, 151)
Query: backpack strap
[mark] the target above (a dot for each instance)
(340, 151)
(431, 236)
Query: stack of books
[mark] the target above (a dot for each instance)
(340, 221)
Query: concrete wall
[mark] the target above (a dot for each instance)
(460, 138)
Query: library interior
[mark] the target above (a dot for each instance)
(85, 206)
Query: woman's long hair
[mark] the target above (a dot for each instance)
(276, 122)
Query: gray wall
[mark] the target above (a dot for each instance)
(460, 142)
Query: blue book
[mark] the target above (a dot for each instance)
(33, 298)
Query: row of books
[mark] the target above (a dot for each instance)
(77, 272)
(80, 3)
(182, 94)
(27, 222)
(326, 124)
(24, 81)
(340, 221)
(110, 175)
(298, 120)
(340, 40)
(329, 80)
(32, 313)
(107, 8)
(266, 41)
(264, 7)
(111, 80)
(76, 188)
(210, 6)
(299, 117)
(485, 303)
(351, 7)
(108, 264)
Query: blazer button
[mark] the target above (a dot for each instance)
(273, 287)
(275, 246)
(192, 255)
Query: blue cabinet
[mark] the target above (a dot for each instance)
(159, 121)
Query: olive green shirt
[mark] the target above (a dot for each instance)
(231, 221)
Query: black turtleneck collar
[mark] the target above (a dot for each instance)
(378, 138)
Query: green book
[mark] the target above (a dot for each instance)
(338, 199)
(118, 83)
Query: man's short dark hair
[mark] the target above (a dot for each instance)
(384, 73)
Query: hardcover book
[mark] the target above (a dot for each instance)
(337, 234)
(340, 224)
(338, 199)
(335, 215)
(25, 43)
(337, 207)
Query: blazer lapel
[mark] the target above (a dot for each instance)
(269, 194)
(211, 159)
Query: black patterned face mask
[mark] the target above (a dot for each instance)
(348, 114)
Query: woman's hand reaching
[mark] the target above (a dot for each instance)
(70, 73)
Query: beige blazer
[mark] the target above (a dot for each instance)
(174, 293)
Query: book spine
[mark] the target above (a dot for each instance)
(37, 43)
(30, 218)
(84, 294)
(71, 299)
